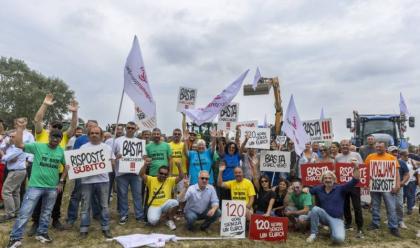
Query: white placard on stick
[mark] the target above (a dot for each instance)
(186, 98)
(259, 137)
(319, 130)
(281, 140)
(275, 161)
(233, 219)
(132, 151)
(88, 161)
(228, 116)
(383, 175)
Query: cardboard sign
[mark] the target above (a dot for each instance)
(233, 219)
(344, 173)
(259, 137)
(89, 161)
(275, 161)
(268, 228)
(186, 98)
(311, 173)
(281, 140)
(132, 151)
(365, 195)
(228, 116)
(383, 175)
(319, 130)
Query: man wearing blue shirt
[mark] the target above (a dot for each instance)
(330, 207)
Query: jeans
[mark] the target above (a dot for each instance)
(410, 189)
(399, 205)
(354, 196)
(31, 198)
(56, 212)
(319, 216)
(111, 183)
(191, 217)
(75, 198)
(155, 212)
(11, 191)
(135, 183)
(390, 201)
(88, 191)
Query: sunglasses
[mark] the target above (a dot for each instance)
(56, 136)
(192, 134)
(204, 178)
(177, 134)
(57, 126)
(130, 128)
(163, 174)
(264, 181)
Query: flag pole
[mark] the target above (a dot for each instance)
(118, 120)
(272, 179)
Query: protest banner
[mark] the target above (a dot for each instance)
(365, 195)
(268, 228)
(132, 151)
(246, 124)
(88, 161)
(259, 137)
(319, 130)
(228, 117)
(233, 219)
(275, 161)
(281, 140)
(344, 173)
(383, 175)
(311, 172)
(186, 98)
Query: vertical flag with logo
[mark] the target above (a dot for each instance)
(256, 78)
(293, 128)
(136, 85)
(208, 113)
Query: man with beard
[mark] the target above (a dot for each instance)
(159, 151)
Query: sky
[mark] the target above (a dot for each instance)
(337, 55)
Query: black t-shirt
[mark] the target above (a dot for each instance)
(263, 199)
(279, 202)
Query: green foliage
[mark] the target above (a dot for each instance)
(22, 91)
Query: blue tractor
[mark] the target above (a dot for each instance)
(384, 127)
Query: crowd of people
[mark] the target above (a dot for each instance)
(184, 177)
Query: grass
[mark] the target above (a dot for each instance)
(379, 238)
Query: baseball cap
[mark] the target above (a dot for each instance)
(392, 148)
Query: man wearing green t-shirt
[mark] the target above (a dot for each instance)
(44, 183)
(159, 151)
(299, 205)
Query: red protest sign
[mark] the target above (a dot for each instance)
(344, 173)
(268, 228)
(311, 173)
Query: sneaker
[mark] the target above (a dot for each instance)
(107, 234)
(171, 224)
(43, 238)
(311, 238)
(83, 235)
(141, 220)
(14, 243)
(33, 229)
(348, 228)
(395, 232)
(6, 217)
(360, 235)
(402, 225)
(372, 227)
(326, 228)
(57, 225)
(123, 220)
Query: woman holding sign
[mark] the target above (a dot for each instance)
(265, 195)
(307, 156)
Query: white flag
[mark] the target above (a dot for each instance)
(322, 114)
(293, 128)
(143, 121)
(256, 78)
(403, 106)
(208, 113)
(136, 85)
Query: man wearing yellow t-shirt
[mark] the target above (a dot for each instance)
(240, 189)
(42, 136)
(160, 189)
(389, 197)
(178, 156)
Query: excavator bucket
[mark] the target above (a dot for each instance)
(261, 89)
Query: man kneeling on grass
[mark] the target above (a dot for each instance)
(202, 202)
(330, 209)
(160, 188)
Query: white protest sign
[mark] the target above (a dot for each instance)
(233, 219)
(247, 124)
(275, 161)
(228, 116)
(132, 151)
(186, 98)
(281, 140)
(259, 137)
(319, 130)
(88, 161)
(365, 195)
(143, 121)
(383, 175)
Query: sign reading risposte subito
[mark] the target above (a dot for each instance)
(268, 228)
(233, 219)
(311, 173)
(344, 173)
(383, 175)
(259, 138)
(132, 151)
(89, 161)
(276, 161)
